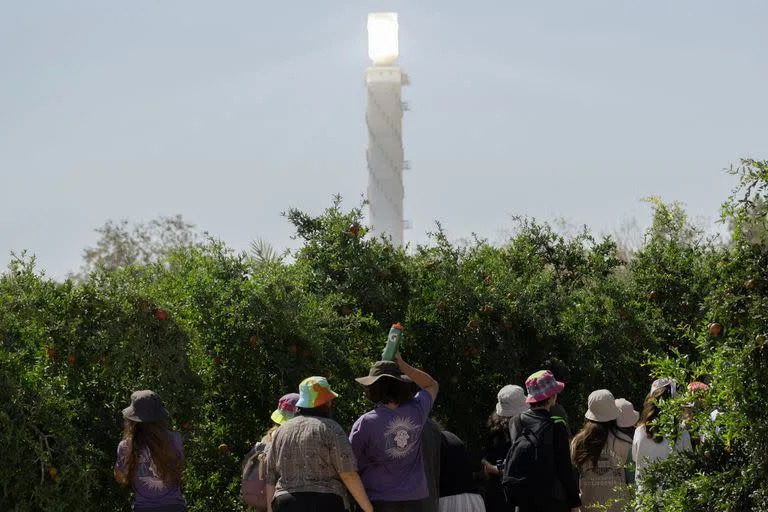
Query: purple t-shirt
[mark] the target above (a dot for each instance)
(387, 444)
(150, 490)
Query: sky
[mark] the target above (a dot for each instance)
(231, 112)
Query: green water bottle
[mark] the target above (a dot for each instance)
(393, 342)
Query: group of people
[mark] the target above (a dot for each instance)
(396, 458)
(591, 470)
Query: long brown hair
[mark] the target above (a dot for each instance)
(651, 412)
(498, 424)
(589, 442)
(155, 437)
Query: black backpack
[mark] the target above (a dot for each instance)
(529, 466)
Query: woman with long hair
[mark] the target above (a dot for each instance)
(149, 457)
(387, 440)
(601, 453)
(649, 445)
(253, 486)
(510, 403)
(310, 465)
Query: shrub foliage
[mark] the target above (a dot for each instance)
(221, 336)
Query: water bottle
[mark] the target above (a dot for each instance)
(393, 342)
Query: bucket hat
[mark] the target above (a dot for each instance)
(146, 407)
(314, 392)
(665, 382)
(697, 386)
(601, 406)
(542, 385)
(628, 416)
(286, 408)
(510, 401)
(380, 369)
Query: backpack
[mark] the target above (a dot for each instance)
(529, 466)
(253, 488)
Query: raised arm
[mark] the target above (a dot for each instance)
(420, 378)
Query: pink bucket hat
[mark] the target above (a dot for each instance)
(697, 386)
(286, 408)
(542, 385)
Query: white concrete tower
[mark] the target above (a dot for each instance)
(384, 81)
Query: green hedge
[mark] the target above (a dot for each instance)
(221, 336)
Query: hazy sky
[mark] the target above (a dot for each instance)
(230, 112)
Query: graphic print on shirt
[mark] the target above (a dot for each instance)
(400, 436)
(145, 470)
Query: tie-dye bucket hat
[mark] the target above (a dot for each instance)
(314, 392)
(542, 385)
(286, 408)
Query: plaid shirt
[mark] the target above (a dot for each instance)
(307, 454)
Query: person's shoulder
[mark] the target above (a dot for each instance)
(330, 425)
(422, 397)
(558, 420)
(622, 437)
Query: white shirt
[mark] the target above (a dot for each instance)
(645, 450)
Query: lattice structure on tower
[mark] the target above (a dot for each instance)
(385, 150)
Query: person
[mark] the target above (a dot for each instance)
(600, 452)
(697, 390)
(626, 422)
(648, 444)
(310, 464)
(560, 373)
(150, 456)
(457, 489)
(552, 486)
(628, 417)
(253, 486)
(388, 439)
(510, 403)
(430, 450)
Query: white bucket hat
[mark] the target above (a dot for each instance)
(665, 382)
(511, 401)
(628, 416)
(601, 406)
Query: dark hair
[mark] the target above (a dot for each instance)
(321, 411)
(387, 390)
(498, 424)
(589, 442)
(651, 412)
(542, 403)
(628, 431)
(154, 437)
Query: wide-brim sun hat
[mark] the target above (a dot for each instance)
(628, 416)
(541, 386)
(510, 401)
(286, 408)
(383, 369)
(314, 392)
(601, 406)
(146, 407)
